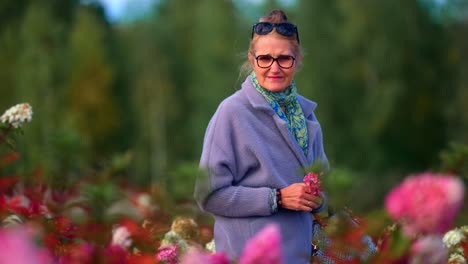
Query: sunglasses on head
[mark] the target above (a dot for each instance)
(285, 29)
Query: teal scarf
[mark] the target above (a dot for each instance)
(294, 116)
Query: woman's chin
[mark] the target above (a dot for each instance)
(276, 87)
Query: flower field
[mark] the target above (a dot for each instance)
(98, 220)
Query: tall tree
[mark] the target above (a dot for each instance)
(174, 34)
(38, 74)
(379, 64)
(215, 63)
(151, 93)
(91, 99)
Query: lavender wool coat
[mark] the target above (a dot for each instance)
(247, 151)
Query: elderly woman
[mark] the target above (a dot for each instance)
(257, 147)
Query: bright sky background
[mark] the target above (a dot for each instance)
(116, 9)
(119, 9)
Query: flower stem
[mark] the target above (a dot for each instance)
(5, 133)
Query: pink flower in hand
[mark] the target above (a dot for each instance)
(264, 247)
(167, 254)
(312, 180)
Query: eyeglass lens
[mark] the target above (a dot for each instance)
(284, 61)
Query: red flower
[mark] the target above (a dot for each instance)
(7, 183)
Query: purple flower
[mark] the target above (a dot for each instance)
(264, 247)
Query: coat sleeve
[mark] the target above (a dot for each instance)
(221, 167)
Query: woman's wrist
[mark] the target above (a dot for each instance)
(275, 200)
(279, 201)
(272, 199)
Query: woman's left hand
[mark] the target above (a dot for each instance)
(298, 197)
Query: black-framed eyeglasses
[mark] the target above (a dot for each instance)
(285, 29)
(284, 61)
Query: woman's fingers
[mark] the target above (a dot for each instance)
(296, 197)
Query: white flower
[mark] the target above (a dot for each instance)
(453, 237)
(210, 246)
(456, 259)
(17, 115)
(12, 221)
(121, 237)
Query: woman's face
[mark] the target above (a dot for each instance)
(273, 78)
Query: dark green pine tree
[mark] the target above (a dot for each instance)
(39, 72)
(378, 78)
(173, 33)
(153, 100)
(91, 100)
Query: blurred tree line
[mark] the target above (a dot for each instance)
(390, 78)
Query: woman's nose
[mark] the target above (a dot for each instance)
(275, 67)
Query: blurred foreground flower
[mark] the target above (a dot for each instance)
(186, 228)
(197, 256)
(121, 237)
(17, 115)
(428, 250)
(18, 247)
(264, 247)
(426, 203)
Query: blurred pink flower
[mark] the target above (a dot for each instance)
(218, 258)
(312, 180)
(167, 254)
(121, 237)
(197, 256)
(18, 247)
(429, 250)
(264, 247)
(426, 203)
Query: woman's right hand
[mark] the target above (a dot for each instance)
(297, 197)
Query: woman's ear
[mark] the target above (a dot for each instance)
(299, 60)
(251, 59)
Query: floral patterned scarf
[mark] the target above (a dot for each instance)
(294, 117)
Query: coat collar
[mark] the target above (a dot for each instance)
(258, 102)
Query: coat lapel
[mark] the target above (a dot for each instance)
(258, 102)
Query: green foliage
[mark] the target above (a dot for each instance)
(100, 197)
(90, 97)
(214, 76)
(377, 65)
(399, 243)
(181, 182)
(455, 160)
